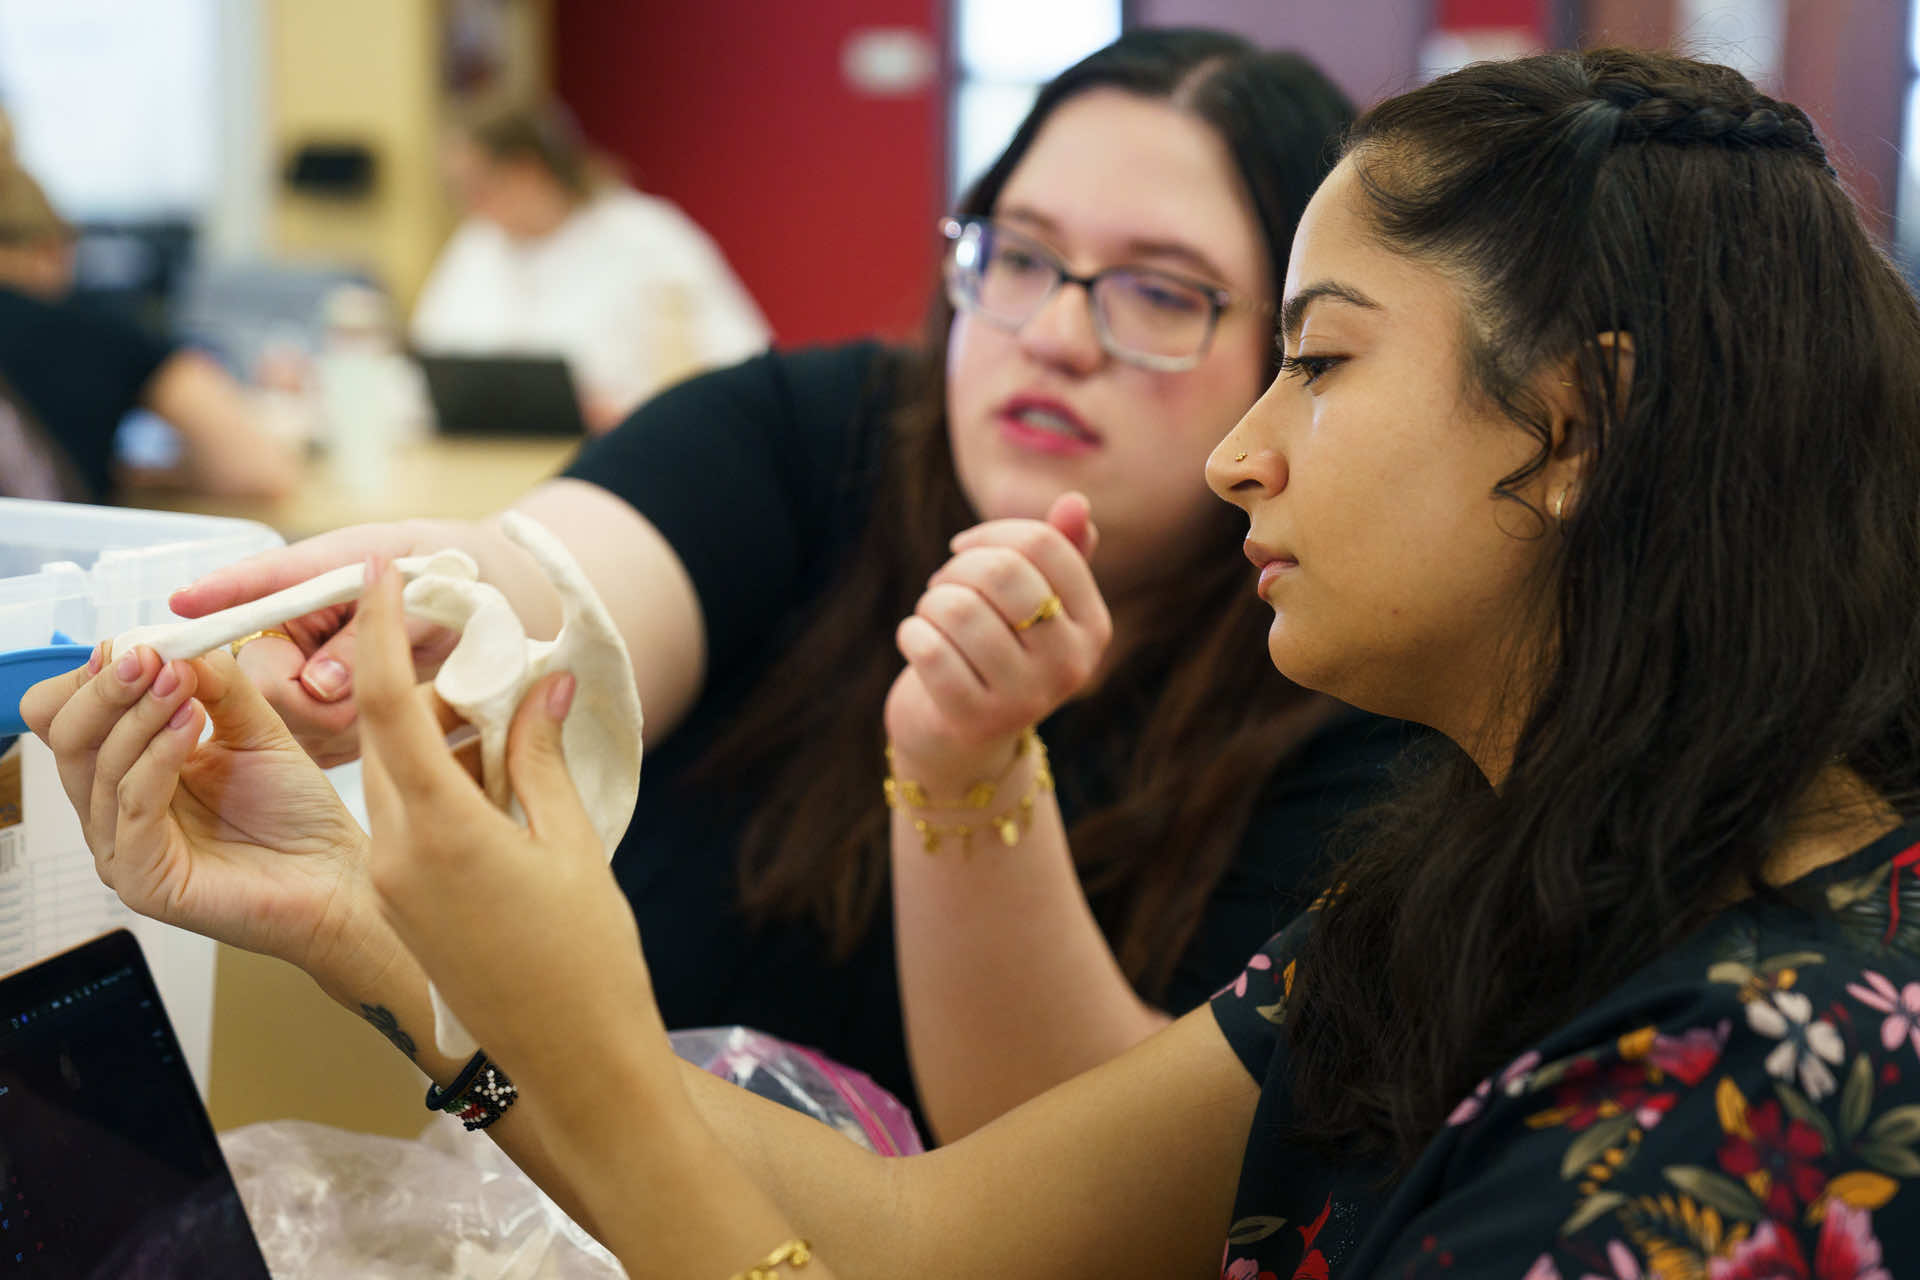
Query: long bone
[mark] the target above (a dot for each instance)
(194, 636)
(484, 678)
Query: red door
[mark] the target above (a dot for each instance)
(806, 136)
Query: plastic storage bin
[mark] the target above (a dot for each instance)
(90, 573)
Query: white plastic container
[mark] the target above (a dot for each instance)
(90, 573)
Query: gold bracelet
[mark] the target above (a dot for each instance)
(795, 1253)
(1009, 825)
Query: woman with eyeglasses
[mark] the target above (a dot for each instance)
(1595, 448)
(775, 537)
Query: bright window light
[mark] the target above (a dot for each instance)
(985, 116)
(1907, 194)
(1025, 40)
(1007, 49)
(113, 103)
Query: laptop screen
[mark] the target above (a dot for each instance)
(108, 1163)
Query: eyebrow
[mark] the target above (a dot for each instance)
(1137, 248)
(1294, 313)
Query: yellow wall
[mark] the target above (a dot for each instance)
(366, 71)
(282, 1050)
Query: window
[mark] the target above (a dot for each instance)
(1005, 50)
(1907, 195)
(114, 105)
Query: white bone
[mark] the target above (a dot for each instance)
(484, 678)
(195, 636)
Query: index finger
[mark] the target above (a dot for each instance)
(271, 571)
(393, 721)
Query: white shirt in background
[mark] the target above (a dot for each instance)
(628, 291)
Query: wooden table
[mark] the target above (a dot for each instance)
(465, 478)
(282, 1050)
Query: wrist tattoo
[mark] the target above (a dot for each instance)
(389, 1026)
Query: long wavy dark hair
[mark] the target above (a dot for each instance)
(1195, 721)
(1735, 594)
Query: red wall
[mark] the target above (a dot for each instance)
(823, 198)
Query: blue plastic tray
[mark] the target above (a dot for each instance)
(21, 669)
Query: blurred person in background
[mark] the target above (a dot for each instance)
(556, 256)
(73, 373)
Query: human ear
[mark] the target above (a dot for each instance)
(1579, 411)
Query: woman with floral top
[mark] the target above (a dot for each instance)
(1596, 448)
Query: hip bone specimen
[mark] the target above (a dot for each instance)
(484, 678)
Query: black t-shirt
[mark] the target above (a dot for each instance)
(760, 476)
(79, 371)
(1747, 1106)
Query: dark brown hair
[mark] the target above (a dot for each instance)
(547, 136)
(1735, 593)
(1195, 713)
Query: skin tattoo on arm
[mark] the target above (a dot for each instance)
(389, 1026)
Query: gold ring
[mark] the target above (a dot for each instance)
(244, 641)
(1049, 608)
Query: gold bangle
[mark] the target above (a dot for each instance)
(1009, 826)
(795, 1253)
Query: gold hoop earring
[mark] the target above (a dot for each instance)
(1558, 507)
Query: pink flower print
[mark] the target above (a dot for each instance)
(1513, 1078)
(1902, 1007)
(1245, 1269)
(1260, 961)
(1542, 1269)
(1513, 1083)
(1847, 1248)
(1767, 1254)
(1470, 1105)
(1688, 1057)
(1621, 1264)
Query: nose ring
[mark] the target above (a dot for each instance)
(1239, 457)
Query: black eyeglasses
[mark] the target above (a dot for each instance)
(1151, 318)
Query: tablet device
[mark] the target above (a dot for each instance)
(502, 395)
(108, 1162)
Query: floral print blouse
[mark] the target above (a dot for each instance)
(1747, 1107)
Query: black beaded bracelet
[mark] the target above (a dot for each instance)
(479, 1095)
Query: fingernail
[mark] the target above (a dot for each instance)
(181, 714)
(97, 659)
(128, 668)
(560, 696)
(325, 679)
(166, 682)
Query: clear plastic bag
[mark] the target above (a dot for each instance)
(797, 1077)
(328, 1203)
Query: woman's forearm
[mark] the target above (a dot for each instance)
(1127, 1173)
(394, 1001)
(611, 1143)
(1008, 984)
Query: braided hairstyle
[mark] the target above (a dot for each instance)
(1734, 599)
(1627, 110)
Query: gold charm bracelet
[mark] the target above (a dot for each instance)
(1009, 825)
